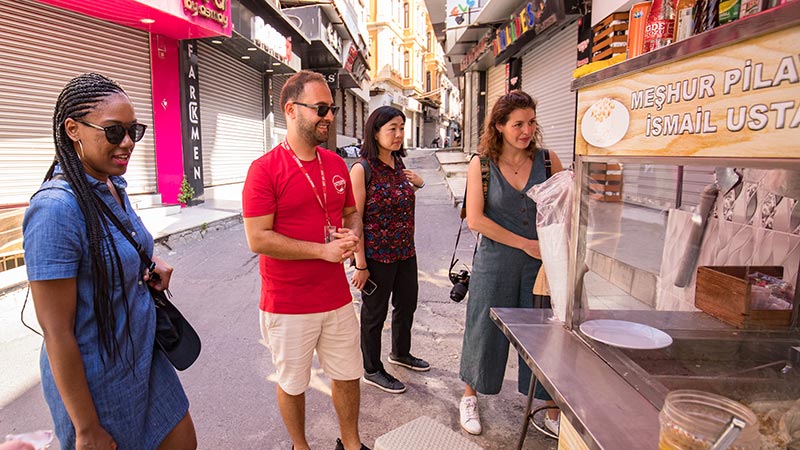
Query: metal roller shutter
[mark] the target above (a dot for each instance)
(472, 124)
(339, 99)
(495, 86)
(360, 119)
(279, 119)
(41, 49)
(547, 76)
(231, 116)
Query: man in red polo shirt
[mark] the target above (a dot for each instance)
(300, 217)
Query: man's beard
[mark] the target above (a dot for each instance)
(311, 134)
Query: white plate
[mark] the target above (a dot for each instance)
(624, 334)
(610, 130)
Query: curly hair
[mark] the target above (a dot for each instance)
(376, 120)
(491, 143)
(80, 97)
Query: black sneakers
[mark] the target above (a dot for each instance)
(410, 362)
(340, 446)
(382, 380)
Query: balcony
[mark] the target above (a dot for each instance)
(389, 73)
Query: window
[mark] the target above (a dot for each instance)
(406, 63)
(427, 81)
(405, 15)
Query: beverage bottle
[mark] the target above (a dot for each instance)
(660, 28)
(684, 19)
(706, 15)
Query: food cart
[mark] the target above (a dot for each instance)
(703, 136)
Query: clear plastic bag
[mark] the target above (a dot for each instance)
(554, 210)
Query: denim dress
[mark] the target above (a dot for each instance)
(138, 396)
(502, 277)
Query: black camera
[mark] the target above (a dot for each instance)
(460, 282)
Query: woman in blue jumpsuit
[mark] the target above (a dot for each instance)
(508, 257)
(104, 384)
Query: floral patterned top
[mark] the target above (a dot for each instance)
(389, 213)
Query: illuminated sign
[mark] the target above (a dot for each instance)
(210, 9)
(533, 17)
(271, 41)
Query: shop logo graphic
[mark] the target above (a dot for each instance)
(339, 184)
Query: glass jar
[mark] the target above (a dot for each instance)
(692, 420)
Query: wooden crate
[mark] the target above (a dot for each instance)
(605, 182)
(723, 292)
(610, 36)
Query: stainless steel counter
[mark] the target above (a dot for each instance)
(607, 411)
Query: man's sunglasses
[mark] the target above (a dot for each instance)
(116, 133)
(322, 110)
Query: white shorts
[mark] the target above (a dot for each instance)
(293, 338)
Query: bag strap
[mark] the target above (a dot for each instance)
(548, 165)
(151, 266)
(485, 174)
(367, 170)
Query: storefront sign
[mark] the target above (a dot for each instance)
(476, 52)
(331, 77)
(271, 40)
(462, 12)
(190, 116)
(331, 36)
(210, 9)
(533, 17)
(738, 101)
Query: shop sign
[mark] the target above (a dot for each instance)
(331, 77)
(533, 17)
(462, 12)
(210, 9)
(475, 52)
(190, 116)
(272, 41)
(331, 36)
(742, 100)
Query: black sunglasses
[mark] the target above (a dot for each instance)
(116, 133)
(322, 110)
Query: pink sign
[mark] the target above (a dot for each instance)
(178, 19)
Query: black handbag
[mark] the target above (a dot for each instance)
(174, 334)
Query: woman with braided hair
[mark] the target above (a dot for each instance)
(104, 384)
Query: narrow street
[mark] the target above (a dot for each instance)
(231, 388)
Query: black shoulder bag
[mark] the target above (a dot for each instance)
(174, 334)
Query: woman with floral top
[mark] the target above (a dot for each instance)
(385, 192)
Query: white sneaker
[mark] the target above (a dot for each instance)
(470, 419)
(552, 424)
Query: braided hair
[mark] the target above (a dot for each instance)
(79, 97)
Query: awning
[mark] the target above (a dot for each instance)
(257, 56)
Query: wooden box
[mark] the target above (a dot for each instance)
(723, 292)
(605, 182)
(610, 36)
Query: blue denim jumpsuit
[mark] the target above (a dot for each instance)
(502, 277)
(138, 396)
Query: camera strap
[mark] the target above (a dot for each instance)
(453, 260)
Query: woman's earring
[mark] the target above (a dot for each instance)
(80, 144)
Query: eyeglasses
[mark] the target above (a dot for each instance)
(322, 110)
(116, 133)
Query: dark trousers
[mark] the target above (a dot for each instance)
(397, 280)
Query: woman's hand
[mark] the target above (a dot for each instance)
(531, 247)
(94, 438)
(413, 178)
(163, 273)
(360, 278)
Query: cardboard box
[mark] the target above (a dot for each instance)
(723, 292)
